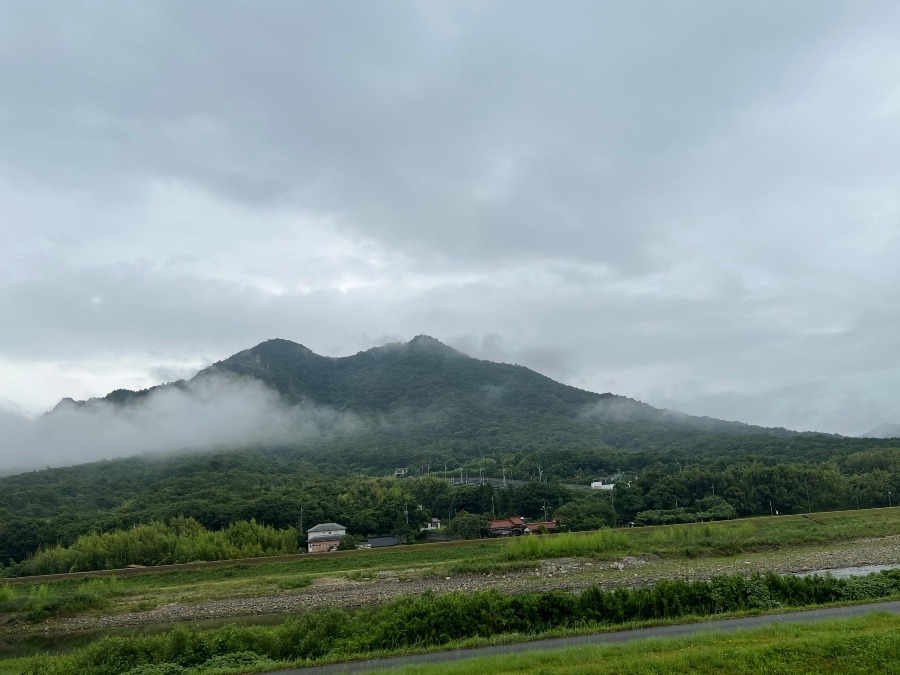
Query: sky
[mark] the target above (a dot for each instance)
(695, 204)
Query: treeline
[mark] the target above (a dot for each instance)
(865, 479)
(285, 489)
(181, 540)
(668, 493)
(432, 620)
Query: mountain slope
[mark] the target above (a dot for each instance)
(884, 431)
(423, 373)
(439, 390)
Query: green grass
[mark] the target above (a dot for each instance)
(864, 645)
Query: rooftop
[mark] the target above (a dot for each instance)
(326, 527)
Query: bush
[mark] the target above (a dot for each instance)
(239, 660)
(180, 540)
(157, 669)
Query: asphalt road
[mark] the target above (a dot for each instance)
(602, 638)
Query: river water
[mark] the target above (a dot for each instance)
(846, 572)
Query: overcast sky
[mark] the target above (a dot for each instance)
(696, 204)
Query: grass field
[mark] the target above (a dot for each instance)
(864, 645)
(673, 542)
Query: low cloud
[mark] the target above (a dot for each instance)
(212, 413)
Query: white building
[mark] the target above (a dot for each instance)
(324, 537)
(600, 485)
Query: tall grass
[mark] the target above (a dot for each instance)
(720, 538)
(37, 602)
(567, 544)
(858, 646)
(431, 620)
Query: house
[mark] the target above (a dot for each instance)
(401, 472)
(434, 524)
(382, 541)
(600, 485)
(324, 537)
(608, 483)
(515, 526)
(507, 527)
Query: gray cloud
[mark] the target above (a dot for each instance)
(692, 204)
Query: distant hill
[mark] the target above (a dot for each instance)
(884, 431)
(427, 387)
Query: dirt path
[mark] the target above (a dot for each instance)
(545, 575)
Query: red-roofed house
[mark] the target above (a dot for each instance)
(515, 526)
(507, 527)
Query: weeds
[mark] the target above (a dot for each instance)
(432, 620)
(297, 582)
(44, 601)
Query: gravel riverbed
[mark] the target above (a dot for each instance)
(562, 574)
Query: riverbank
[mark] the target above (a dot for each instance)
(551, 574)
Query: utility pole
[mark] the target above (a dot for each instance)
(545, 510)
(406, 513)
(504, 476)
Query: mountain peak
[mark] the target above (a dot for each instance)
(279, 343)
(425, 373)
(428, 342)
(426, 339)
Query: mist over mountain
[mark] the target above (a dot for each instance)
(425, 375)
(281, 394)
(884, 431)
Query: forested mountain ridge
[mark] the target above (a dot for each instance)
(424, 374)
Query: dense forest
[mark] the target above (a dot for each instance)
(45, 508)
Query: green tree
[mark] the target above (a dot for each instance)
(467, 526)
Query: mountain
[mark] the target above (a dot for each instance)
(276, 429)
(884, 431)
(439, 390)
